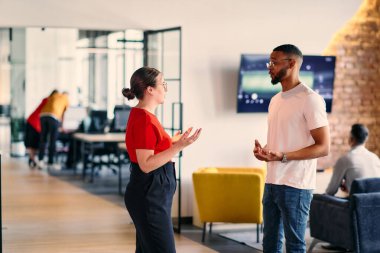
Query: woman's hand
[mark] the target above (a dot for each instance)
(176, 137)
(186, 139)
(148, 161)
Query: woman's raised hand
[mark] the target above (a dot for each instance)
(176, 136)
(187, 139)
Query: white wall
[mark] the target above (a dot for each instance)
(50, 56)
(5, 68)
(215, 33)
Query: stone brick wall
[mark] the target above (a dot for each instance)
(357, 80)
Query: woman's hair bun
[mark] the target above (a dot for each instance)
(128, 93)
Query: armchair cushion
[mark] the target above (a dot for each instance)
(330, 220)
(365, 185)
(352, 223)
(331, 200)
(229, 194)
(367, 221)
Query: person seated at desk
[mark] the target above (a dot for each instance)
(359, 162)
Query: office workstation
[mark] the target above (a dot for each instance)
(95, 133)
(106, 143)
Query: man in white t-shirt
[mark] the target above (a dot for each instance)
(297, 134)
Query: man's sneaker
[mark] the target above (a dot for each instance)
(54, 166)
(32, 163)
(40, 164)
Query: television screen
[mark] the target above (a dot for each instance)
(255, 89)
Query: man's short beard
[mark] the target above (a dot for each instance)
(279, 76)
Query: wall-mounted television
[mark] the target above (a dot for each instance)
(255, 89)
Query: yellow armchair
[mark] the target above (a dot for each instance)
(229, 195)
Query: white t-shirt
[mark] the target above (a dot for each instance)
(292, 114)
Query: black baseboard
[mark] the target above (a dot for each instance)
(187, 220)
(184, 220)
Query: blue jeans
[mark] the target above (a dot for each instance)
(286, 209)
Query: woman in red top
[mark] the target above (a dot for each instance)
(149, 193)
(33, 130)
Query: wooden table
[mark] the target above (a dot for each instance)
(87, 146)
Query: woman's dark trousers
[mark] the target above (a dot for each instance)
(148, 198)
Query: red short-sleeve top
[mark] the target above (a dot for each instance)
(144, 131)
(34, 118)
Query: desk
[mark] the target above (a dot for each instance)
(122, 149)
(103, 138)
(87, 146)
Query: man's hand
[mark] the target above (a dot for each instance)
(258, 151)
(263, 154)
(275, 156)
(343, 186)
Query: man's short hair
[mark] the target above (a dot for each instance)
(360, 133)
(289, 49)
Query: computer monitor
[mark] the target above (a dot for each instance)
(121, 118)
(73, 117)
(99, 121)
